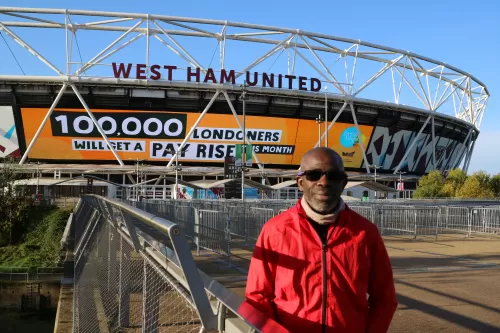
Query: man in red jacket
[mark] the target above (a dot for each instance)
(319, 266)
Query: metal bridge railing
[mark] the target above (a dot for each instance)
(134, 272)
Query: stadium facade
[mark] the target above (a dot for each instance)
(95, 100)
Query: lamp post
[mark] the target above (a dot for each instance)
(243, 147)
(138, 181)
(177, 167)
(318, 121)
(326, 118)
(374, 166)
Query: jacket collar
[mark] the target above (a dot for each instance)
(341, 221)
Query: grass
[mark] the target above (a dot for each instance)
(40, 243)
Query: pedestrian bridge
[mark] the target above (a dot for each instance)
(135, 272)
(132, 267)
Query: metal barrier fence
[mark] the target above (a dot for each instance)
(364, 211)
(212, 231)
(391, 216)
(256, 219)
(485, 220)
(134, 272)
(455, 219)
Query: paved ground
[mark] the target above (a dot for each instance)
(451, 284)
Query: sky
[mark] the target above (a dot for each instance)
(465, 34)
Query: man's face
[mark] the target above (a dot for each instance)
(322, 191)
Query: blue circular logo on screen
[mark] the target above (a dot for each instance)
(349, 137)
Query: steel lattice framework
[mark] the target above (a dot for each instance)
(349, 70)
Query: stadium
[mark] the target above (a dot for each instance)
(124, 104)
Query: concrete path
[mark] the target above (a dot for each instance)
(451, 284)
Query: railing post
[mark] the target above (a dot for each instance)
(415, 216)
(437, 221)
(221, 317)
(228, 237)
(469, 218)
(197, 219)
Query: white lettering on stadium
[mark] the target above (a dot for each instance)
(235, 134)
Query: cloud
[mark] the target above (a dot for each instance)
(486, 155)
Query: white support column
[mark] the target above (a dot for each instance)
(30, 49)
(362, 145)
(378, 74)
(68, 52)
(188, 57)
(433, 144)
(44, 121)
(427, 98)
(329, 127)
(461, 153)
(223, 47)
(264, 57)
(469, 157)
(147, 47)
(334, 79)
(99, 128)
(91, 62)
(214, 97)
(241, 127)
(412, 144)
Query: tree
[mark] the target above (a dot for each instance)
(430, 186)
(495, 184)
(476, 186)
(454, 181)
(13, 203)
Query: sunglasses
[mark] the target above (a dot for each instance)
(316, 174)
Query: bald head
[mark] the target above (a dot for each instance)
(321, 155)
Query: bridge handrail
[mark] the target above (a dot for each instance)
(182, 267)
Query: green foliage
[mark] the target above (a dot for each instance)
(13, 204)
(454, 181)
(430, 186)
(476, 186)
(40, 242)
(495, 184)
(458, 184)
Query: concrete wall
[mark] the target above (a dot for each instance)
(11, 293)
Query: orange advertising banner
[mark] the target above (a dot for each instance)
(155, 135)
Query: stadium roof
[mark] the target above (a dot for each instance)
(372, 186)
(195, 171)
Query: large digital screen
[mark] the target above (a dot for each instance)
(70, 134)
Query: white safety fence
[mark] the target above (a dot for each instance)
(244, 221)
(485, 220)
(256, 220)
(212, 231)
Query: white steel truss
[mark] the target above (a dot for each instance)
(365, 68)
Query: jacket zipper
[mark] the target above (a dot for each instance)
(325, 291)
(325, 277)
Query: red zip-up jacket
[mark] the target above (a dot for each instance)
(343, 285)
